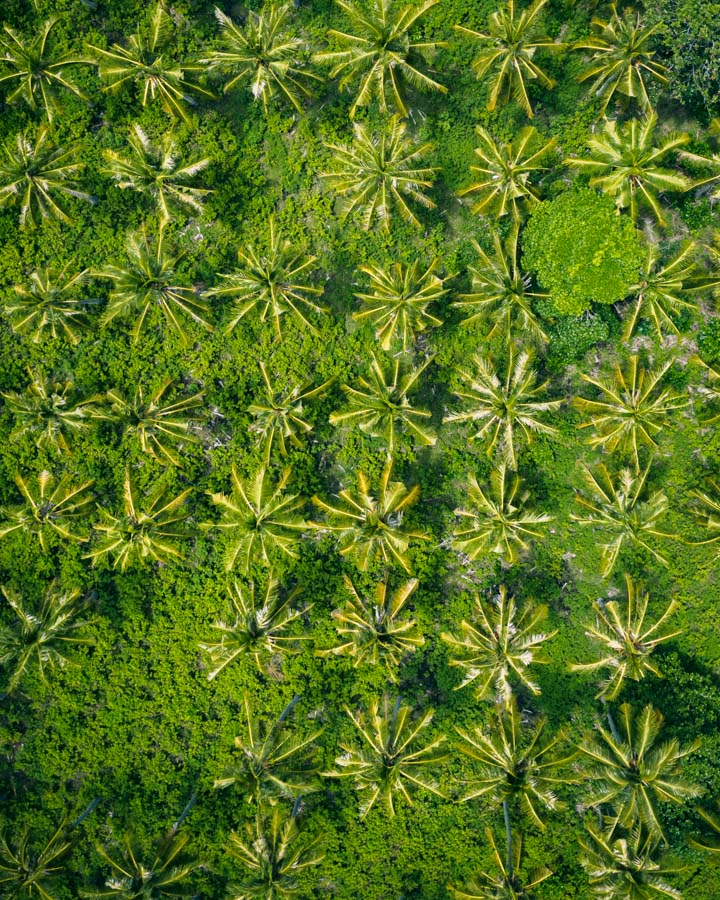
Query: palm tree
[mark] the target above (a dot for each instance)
(709, 515)
(272, 283)
(625, 641)
(260, 519)
(633, 772)
(262, 619)
(507, 883)
(498, 647)
(148, 282)
(380, 405)
(715, 825)
(34, 71)
(708, 163)
(504, 173)
(381, 58)
(616, 508)
(264, 54)
(274, 854)
(51, 508)
(377, 632)
(622, 58)
(50, 306)
(39, 636)
(159, 172)
(279, 414)
(504, 404)
(143, 62)
(32, 174)
(369, 526)
(625, 163)
(25, 872)
(397, 301)
(633, 410)
(498, 521)
(508, 49)
(379, 171)
(391, 762)
(271, 763)
(145, 532)
(500, 294)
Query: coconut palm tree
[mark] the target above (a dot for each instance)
(498, 520)
(381, 60)
(505, 405)
(148, 281)
(633, 772)
(261, 520)
(35, 174)
(397, 301)
(263, 54)
(159, 172)
(380, 405)
(504, 172)
(392, 762)
(501, 295)
(147, 530)
(51, 507)
(369, 525)
(144, 63)
(507, 883)
(376, 631)
(379, 172)
(622, 60)
(274, 853)
(625, 163)
(262, 620)
(625, 640)
(271, 763)
(498, 647)
(51, 306)
(41, 633)
(508, 51)
(618, 507)
(633, 411)
(25, 872)
(271, 283)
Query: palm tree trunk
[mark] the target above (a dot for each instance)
(611, 721)
(508, 838)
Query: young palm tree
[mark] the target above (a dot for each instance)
(144, 63)
(625, 163)
(633, 410)
(616, 508)
(51, 508)
(498, 521)
(377, 632)
(38, 638)
(397, 301)
(504, 173)
(274, 854)
(368, 526)
(159, 172)
(500, 294)
(498, 647)
(391, 762)
(380, 172)
(260, 519)
(508, 50)
(381, 58)
(34, 174)
(34, 71)
(50, 306)
(622, 58)
(507, 883)
(272, 283)
(633, 772)
(262, 619)
(145, 532)
(26, 872)
(263, 54)
(380, 405)
(148, 282)
(504, 405)
(625, 641)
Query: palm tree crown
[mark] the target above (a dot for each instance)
(51, 306)
(507, 883)
(25, 871)
(51, 508)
